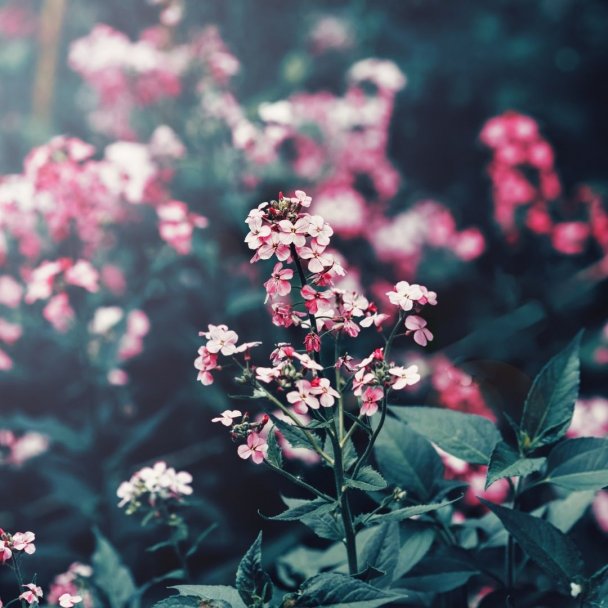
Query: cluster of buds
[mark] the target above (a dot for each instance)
(11, 543)
(153, 486)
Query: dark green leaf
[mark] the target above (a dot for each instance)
(416, 540)
(299, 507)
(466, 436)
(252, 582)
(275, 455)
(506, 462)
(110, 575)
(219, 593)
(439, 575)
(325, 525)
(595, 591)
(381, 551)
(551, 549)
(579, 464)
(333, 590)
(550, 402)
(367, 479)
(564, 513)
(295, 436)
(407, 512)
(179, 601)
(408, 460)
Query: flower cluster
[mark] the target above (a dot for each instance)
(71, 587)
(153, 486)
(17, 542)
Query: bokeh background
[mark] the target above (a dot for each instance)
(458, 144)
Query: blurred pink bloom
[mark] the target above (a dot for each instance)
(32, 595)
(58, 312)
(68, 601)
(10, 291)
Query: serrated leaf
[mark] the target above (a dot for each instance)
(333, 590)
(579, 464)
(407, 512)
(551, 549)
(408, 460)
(295, 436)
(299, 507)
(506, 462)
(221, 593)
(252, 582)
(439, 575)
(325, 525)
(367, 479)
(110, 574)
(467, 436)
(550, 402)
(381, 552)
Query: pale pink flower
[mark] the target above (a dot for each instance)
(417, 325)
(319, 259)
(10, 291)
(24, 541)
(221, 339)
(325, 392)
(68, 601)
(307, 362)
(314, 300)
(32, 595)
(256, 448)
(369, 400)
(361, 380)
(58, 312)
(279, 282)
(273, 246)
(320, 230)
(405, 295)
(267, 374)
(303, 397)
(302, 198)
(258, 233)
(428, 297)
(405, 376)
(227, 417)
(5, 552)
(206, 362)
(291, 233)
(83, 274)
(375, 318)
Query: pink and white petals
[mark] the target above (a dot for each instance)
(256, 448)
(227, 417)
(404, 376)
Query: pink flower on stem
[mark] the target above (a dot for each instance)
(267, 374)
(256, 448)
(319, 260)
(324, 391)
(405, 295)
(278, 283)
(303, 397)
(221, 339)
(24, 541)
(417, 325)
(273, 246)
(69, 601)
(308, 362)
(258, 233)
(227, 417)
(369, 402)
(5, 552)
(32, 595)
(405, 376)
(314, 300)
(361, 380)
(293, 233)
(312, 342)
(428, 297)
(302, 198)
(319, 230)
(205, 363)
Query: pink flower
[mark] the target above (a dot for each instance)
(303, 397)
(82, 274)
(32, 595)
(24, 541)
(68, 601)
(302, 198)
(58, 312)
(319, 260)
(291, 233)
(312, 342)
(273, 246)
(256, 448)
(258, 233)
(361, 380)
(278, 283)
(369, 402)
(5, 552)
(320, 230)
(405, 376)
(221, 339)
(314, 300)
(326, 393)
(417, 324)
(405, 295)
(205, 363)
(267, 374)
(308, 362)
(227, 417)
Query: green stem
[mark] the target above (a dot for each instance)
(510, 555)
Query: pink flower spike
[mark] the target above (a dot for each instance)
(405, 376)
(68, 601)
(417, 324)
(227, 417)
(371, 396)
(256, 448)
(24, 541)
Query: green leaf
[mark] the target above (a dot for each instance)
(299, 507)
(506, 462)
(550, 403)
(564, 513)
(367, 479)
(408, 460)
(325, 525)
(407, 512)
(295, 436)
(596, 590)
(416, 540)
(110, 574)
(579, 464)
(179, 601)
(467, 436)
(275, 456)
(252, 582)
(381, 552)
(551, 549)
(333, 590)
(221, 593)
(439, 575)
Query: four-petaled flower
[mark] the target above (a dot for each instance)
(325, 391)
(227, 417)
(256, 448)
(24, 541)
(417, 325)
(405, 295)
(369, 400)
(221, 339)
(32, 595)
(303, 397)
(5, 552)
(279, 281)
(406, 376)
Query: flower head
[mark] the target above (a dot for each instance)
(255, 448)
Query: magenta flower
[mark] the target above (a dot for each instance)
(369, 402)
(417, 325)
(256, 448)
(24, 541)
(303, 397)
(227, 417)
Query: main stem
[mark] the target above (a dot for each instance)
(350, 540)
(510, 562)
